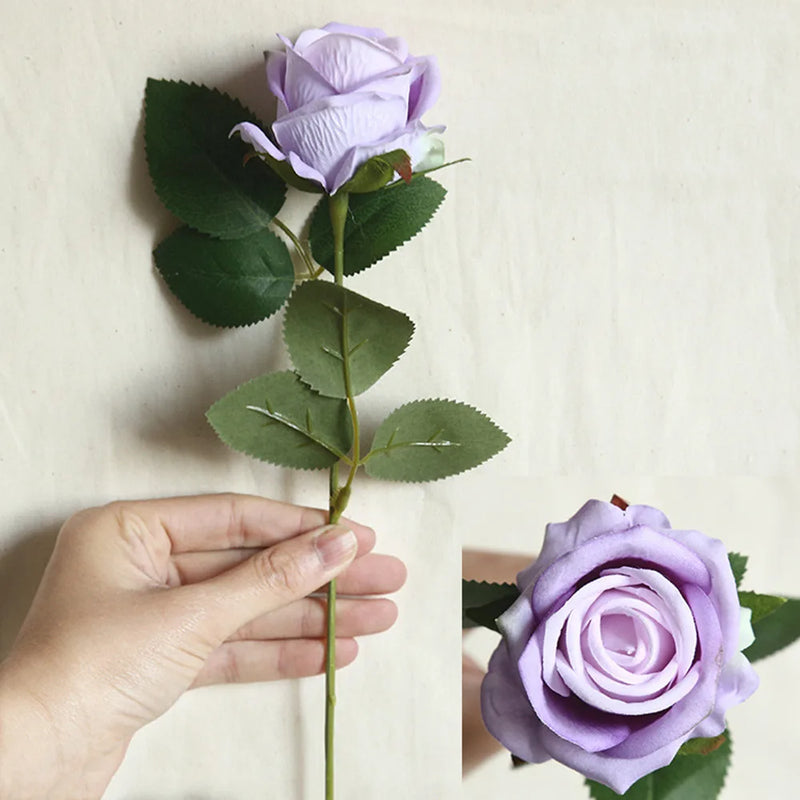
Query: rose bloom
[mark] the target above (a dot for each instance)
(346, 94)
(624, 643)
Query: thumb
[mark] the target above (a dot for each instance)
(277, 576)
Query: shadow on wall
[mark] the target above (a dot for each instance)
(21, 569)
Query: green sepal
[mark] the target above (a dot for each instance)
(377, 223)
(285, 172)
(691, 777)
(430, 439)
(226, 282)
(738, 564)
(375, 173)
(760, 605)
(483, 602)
(316, 316)
(778, 630)
(197, 171)
(277, 418)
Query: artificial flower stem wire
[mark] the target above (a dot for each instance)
(339, 496)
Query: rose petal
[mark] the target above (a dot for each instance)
(618, 773)
(355, 30)
(254, 136)
(276, 76)
(506, 711)
(346, 61)
(640, 544)
(723, 591)
(303, 84)
(737, 681)
(322, 132)
(425, 88)
(569, 716)
(516, 624)
(679, 722)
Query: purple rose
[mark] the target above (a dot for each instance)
(625, 642)
(346, 94)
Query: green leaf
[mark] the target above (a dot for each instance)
(226, 282)
(377, 223)
(332, 332)
(738, 567)
(776, 631)
(277, 418)
(483, 602)
(431, 439)
(691, 777)
(761, 605)
(197, 171)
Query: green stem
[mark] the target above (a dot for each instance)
(338, 495)
(307, 260)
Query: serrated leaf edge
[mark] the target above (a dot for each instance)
(396, 359)
(451, 475)
(247, 113)
(216, 325)
(249, 452)
(400, 244)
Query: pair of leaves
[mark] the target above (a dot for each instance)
(338, 341)
(224, 266)
(688, 777)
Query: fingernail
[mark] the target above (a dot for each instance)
(335, 545)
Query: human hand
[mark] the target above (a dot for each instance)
(477, 744)
(144, 600)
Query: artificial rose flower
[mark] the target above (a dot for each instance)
(346, 94)
(624, 643)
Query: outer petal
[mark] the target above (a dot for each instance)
(276, 75)
(737, 682)
(302, 83)
(506, 712)
(254, 136)
(517, 624)
(618, 773)
(323, 132)
(639, 544)
(426, 87)
(723, 585)
(414, 140)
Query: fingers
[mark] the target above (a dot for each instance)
(247, 661)
(305, 619)
(274, 577)
(369, 574)
(223, 521)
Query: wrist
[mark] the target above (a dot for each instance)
(37, 760)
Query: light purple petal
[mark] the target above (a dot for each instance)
(618, 773)
(425, 88)
(569, 717)
(254, 136)
(303, 84)
(276, 75)
(323, 132)
(305, 39)
(639, 544)
(647, 515)
(306, 170)
(506, 712)
(723, 585)
(517, 624)
(737, 681)
(347, 61)
(414, 140)
(679, 722)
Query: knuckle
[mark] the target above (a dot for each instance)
(280, 573)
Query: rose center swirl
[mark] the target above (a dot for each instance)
(625, 643)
